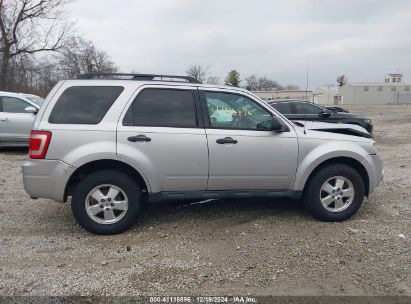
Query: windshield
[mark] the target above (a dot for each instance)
(36, 99)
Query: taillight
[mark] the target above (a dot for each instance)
(38, 144)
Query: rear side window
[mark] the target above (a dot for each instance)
(282, 107)
(162, 108)
(84, 104)
(307, 108)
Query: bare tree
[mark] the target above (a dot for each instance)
(291, 87)
(254, 83)
(81, 56)
(29, 27)
(267, 84)
(198, 72)
(251, 83)
(213, 80)
(45, 76)
(202, 74)
(342, 80)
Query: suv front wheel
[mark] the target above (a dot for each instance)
(334, 193)
(106, 202)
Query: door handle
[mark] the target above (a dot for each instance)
(139, 138)
(5, 119)
(226, 140)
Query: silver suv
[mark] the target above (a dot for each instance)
(112, 142)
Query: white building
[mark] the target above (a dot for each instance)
(392, 91)
(326, 95)
(378, 93)
(285, 94)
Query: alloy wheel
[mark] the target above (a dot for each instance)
(106, 204)
(337, 194)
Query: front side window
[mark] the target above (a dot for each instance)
(84, 104)
(162, 108)
(13, 105)
(307, 108)
(233, 111)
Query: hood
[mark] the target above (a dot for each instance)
(345, 129)
(348, 115)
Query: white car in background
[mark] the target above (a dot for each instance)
(17, 114)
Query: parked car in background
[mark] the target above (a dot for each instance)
(17, 114)
(113, 144)
(304, 110)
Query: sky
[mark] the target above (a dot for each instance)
(363, 39)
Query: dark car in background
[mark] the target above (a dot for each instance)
(304, 110)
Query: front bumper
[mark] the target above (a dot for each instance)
(46, 178)
(375, 169)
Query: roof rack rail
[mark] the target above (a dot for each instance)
(147, 77)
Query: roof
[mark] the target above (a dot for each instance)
(150, 79)
(4, 93)
(284, 91)
(395, 74)
(22, 96)
(286, 100)
(377, 84)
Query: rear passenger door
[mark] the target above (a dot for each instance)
(161, 132)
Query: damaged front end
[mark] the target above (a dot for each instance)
(344, 129)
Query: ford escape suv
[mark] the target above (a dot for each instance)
(112, 142)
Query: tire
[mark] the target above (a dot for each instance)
(341, 207)
(118, 211)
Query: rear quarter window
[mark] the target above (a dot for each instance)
(84, 104)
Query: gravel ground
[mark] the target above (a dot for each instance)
(219, 247)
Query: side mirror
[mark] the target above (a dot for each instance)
(276, 126)
(31, 109)
(272, 125)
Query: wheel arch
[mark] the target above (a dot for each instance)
(106, 164)
(353, 163)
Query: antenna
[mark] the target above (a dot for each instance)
(306, 97)
(306, 82)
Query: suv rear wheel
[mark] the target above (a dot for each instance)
(334, 193)
(106, 202)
